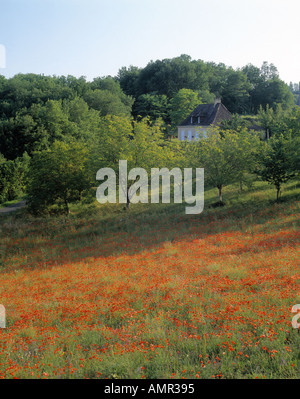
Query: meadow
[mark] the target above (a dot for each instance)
(154, 293)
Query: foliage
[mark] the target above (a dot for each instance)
(12, 177)
(106, 96)
(58, 175)
(226, 156)
(276, 162)
(138, 110)
(182, 104)
(141, 143)
(154, 106)
(242, 90)
(236, 123)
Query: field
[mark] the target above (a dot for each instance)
(154, 293)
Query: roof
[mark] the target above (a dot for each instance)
(210, 114)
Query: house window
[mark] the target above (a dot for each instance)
(190, 136)
(197, 135)
(199, 119)
(182, 135)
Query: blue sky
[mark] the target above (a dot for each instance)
(97, 37)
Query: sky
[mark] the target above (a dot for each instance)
(95, 38)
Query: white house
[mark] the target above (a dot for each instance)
(196, 125)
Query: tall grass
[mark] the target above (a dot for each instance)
(153, 293)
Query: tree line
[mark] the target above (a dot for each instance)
(56, 132)
(242, 90)
(66, 171)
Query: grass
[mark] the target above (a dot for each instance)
(154, 293)
(12, 202)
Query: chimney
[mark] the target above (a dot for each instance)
(217, 101)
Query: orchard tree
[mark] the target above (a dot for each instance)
(141, 143)
(59, 175)
(277, 164)
(226, 156)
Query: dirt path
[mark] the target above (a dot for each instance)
(13, 207)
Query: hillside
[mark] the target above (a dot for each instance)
(154, 293)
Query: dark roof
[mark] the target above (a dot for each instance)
(210, 114)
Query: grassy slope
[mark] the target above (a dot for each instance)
(154, 293)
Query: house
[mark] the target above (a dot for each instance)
(196, 125)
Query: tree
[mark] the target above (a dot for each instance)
(128, 79)
(106, 96)
(235, 92)
(236, 123)
(182, 104)
(291, 122)
(58, 175)
(107, 102)
(276, 163)
(37, 127)
(271, 119)
(152, 105)
(146, 149)
(12, 177)
(266, 87)
(226, 156)
(141, 143)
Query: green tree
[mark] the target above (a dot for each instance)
(106, 96)
(128, 79)
(276, 162)
(271, 119)
(236, 123)
(58, 175)
(107, 103)
(266, 87)
(12, 177)
(291, 122)
(235, 92)
(182, 104)
(146, 149)
(226, 156)
(141, 143)
(153, 106)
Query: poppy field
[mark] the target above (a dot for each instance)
(153, 293)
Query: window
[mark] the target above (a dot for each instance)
(182, 135)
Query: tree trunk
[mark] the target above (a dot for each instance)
(220, 194)
(241, 185)
(278, 192)
(67, 207)
(128, 202)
